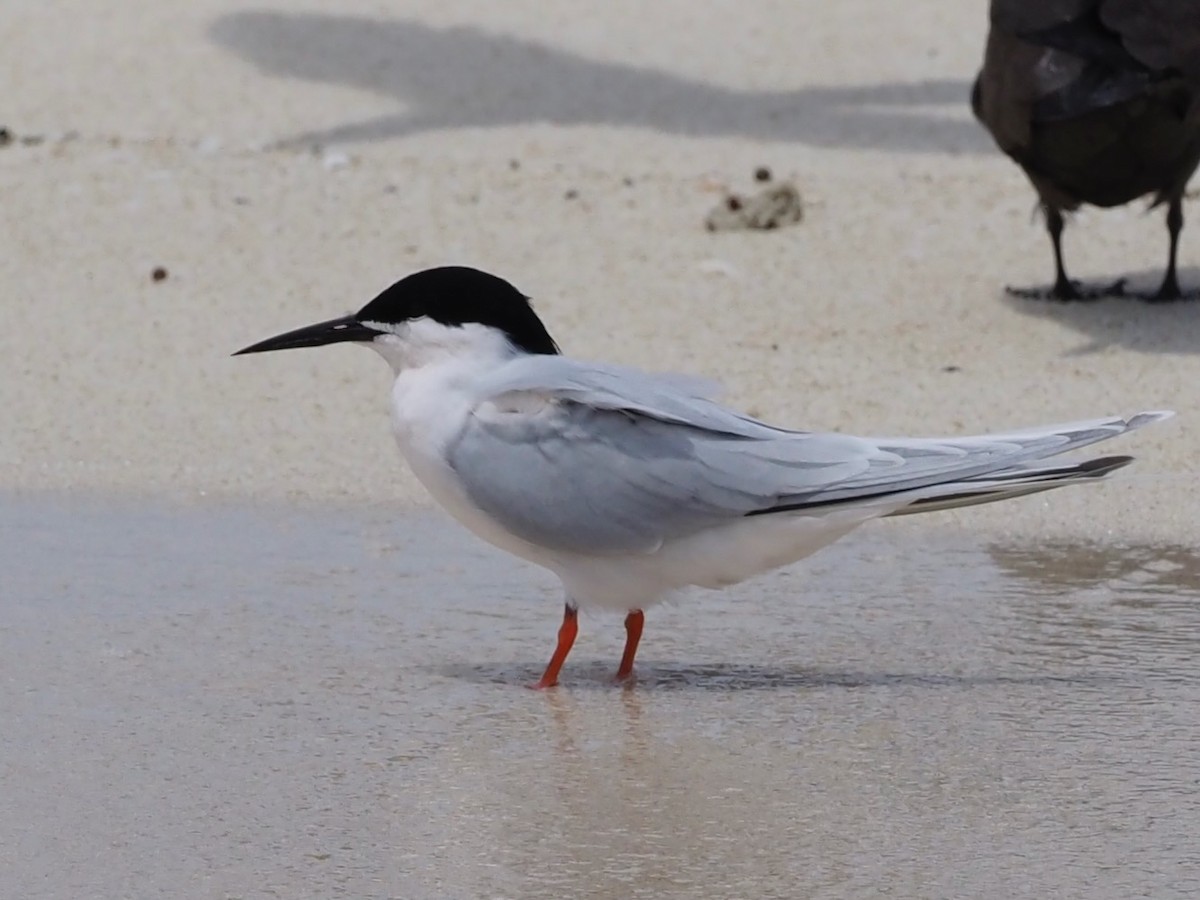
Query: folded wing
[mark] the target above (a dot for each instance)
(604, 460)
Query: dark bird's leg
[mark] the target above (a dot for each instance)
(1170, 285)
(1063, 288)
(633, 634)
(566, 639)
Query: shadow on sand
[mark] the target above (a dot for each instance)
(465, 77)
(1125, 321)
(734, 677)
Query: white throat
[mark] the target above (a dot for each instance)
(424, 342)
(438, 369)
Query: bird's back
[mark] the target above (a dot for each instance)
(1095, 99)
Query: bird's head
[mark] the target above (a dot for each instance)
(435, 313)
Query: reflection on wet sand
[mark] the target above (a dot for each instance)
(1114, 602)
(1052, 566)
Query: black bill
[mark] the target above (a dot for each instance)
(334, 331)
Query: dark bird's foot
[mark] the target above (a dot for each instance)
(1180, 296)
(1169, 292)
(1168, 297)
(1055, 292)
(1068, 291)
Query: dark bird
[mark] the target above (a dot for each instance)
(1097, 100)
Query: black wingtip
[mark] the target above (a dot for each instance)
(1098, 468)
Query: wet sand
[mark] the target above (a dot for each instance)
(314, 705)
(241, 657)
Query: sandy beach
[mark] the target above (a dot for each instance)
(245, 658)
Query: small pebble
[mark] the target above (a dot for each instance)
(572, 194)
(159, 274)
(718, 267)
(333, 160)
(762, 173)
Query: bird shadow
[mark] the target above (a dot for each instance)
(466, 77)
(737, 677)
(1122, 320)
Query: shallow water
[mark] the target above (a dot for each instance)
(243, 703)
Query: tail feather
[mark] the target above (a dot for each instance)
(938, 462)
(1018, 483)
(945, 473)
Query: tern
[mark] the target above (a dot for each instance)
(631, 486)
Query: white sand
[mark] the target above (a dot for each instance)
(113, 383)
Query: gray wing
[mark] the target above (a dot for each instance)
(604, 460)
(607, 480)
(680, 399)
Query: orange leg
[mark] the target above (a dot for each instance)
(633, 634)
(566, 638)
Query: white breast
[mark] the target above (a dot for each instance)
(429, 407)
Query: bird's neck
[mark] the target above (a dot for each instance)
(428, 345)
(431, 401)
